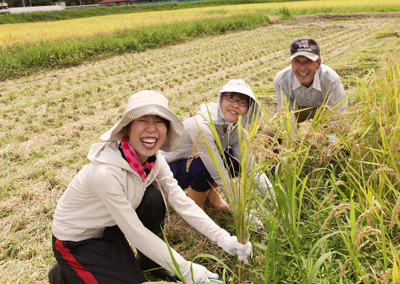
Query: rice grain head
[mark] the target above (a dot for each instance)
(197, 142)
(379, 171)
(327, 199)
(344, 266)
(395, 215)
(335, 211)
(363, 216)
(363, 233)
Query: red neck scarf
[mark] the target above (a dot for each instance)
(133, 160)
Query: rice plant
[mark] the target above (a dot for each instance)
(353, 199)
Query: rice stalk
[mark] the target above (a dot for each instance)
(344, 266)
(327, 199)
(241, 188)
(366, 231)
(370, 212)
(337, 210)
(395, 215)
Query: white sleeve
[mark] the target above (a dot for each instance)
(205, 157)
(264, 186)
(185, 206)
(261, 181)
(110, 190)
(337, 97)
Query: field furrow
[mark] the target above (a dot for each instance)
(49, 120)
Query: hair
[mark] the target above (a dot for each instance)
(166, 122)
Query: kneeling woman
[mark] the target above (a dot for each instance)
(120, 196)
(202, 178)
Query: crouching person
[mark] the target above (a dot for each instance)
(202, 178)
(121, 196)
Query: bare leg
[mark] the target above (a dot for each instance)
(216, 201)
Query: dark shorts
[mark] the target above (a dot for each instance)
(198, 178)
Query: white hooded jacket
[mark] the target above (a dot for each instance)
(106, 193)
(230, 139)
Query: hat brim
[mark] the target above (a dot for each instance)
(237, 89)
(175, 134)
(309, 55)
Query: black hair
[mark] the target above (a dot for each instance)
(166, 122)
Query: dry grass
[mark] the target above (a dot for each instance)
(48, 121)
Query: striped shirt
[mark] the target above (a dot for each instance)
(326, 87)
(326, 84)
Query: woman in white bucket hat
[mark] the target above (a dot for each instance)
(120, 196)
(203, 178)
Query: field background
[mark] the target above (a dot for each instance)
(49, 120)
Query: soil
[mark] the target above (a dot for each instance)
(353, 15)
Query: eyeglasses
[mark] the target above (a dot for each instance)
(233, 99)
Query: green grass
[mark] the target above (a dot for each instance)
(346, 10)
(24, 61)
(102, 11)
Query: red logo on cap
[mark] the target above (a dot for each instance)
(304, 44)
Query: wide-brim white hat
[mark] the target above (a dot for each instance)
(237, 86)
(149, 103)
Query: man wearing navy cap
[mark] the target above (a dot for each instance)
(307, 84)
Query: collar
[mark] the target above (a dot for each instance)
(129, 154)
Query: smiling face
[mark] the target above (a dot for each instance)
(304, 69)
(146, 135)
(232, 110)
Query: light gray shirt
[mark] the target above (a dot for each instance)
(325, 87)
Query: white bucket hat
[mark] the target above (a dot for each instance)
(237, 86)
(149, 103)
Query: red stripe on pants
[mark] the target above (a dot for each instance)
(85, 274)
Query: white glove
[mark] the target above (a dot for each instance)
(256, 223)
(232, 246)
(200, 274)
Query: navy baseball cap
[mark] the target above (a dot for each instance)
(305, 47)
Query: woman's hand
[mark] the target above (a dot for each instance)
(232, 246)
(200, 274)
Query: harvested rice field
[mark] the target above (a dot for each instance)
(48, 121)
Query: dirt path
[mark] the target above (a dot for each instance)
(48, 121)
(352, 16)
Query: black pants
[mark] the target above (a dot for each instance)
(110, 259)
(198, 177)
